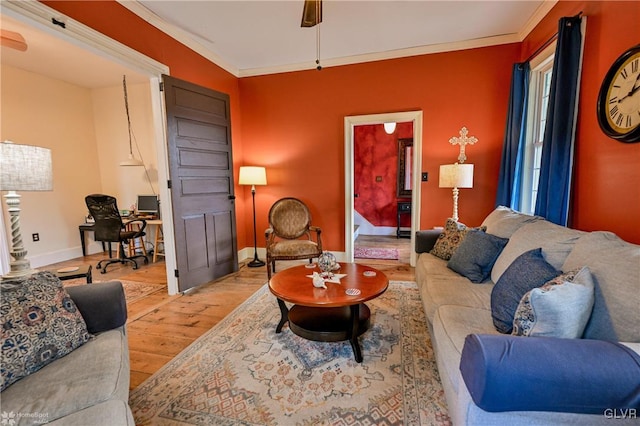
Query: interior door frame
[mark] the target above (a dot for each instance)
(38, 15)
(358, 120)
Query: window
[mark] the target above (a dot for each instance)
(539, 89)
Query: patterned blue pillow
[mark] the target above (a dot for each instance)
(527, 272)
(450, 239)
(476, 255)
(40, 323)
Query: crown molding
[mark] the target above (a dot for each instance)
(190, 41)
(40, 16)
(178, 34)
(542, 11)
(391, 54)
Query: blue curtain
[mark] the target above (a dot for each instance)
(509, 180)
(556, 169)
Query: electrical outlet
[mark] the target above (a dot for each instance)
(36, 236)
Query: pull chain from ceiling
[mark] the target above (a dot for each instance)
(318, 17)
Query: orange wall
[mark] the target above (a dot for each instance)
(607, 172)
(293, 125)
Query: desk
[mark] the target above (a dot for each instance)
(88, 227)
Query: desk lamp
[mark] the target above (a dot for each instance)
(22, 168)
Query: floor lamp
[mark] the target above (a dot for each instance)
(22, 168)
(456, 176)
(252, 175)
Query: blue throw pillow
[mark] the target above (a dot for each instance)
(513, 373)
(527, 272)
(476, 255)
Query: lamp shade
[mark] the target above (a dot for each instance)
(25, 168)
(252, 175)
(456, 176)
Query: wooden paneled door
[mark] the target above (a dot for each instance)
(201, 181)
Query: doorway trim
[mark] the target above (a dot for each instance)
(357, 120)
(39, 16)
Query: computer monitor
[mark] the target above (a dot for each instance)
(147, 204)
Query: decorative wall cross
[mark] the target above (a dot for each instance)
(463, 140)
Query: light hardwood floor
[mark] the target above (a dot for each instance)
(161, 326)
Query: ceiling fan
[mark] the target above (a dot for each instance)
(311, 13)
(13, 40)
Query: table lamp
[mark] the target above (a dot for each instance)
(252, 175)
(22, 168)
(456, 176)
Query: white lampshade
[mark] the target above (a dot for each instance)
(252, 175)
(25, 168)
(456, 176)
(390, 127)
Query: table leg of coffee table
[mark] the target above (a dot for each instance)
(284, 315)
(355, 316)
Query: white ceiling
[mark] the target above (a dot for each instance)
(264, 36)
(49, 55)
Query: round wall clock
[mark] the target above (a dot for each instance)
(619, 98)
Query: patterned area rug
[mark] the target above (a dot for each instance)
(133, 290)
(242, 372)
(375, 253)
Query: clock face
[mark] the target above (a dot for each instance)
(619, 100)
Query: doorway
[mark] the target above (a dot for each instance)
(38, 16)
(349, 125)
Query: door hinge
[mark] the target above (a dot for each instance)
(169, 184)
(162, 86)
(176, 273)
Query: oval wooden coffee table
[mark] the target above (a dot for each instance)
(328, 315)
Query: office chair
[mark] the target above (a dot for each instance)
(290, 219)
(109, 227)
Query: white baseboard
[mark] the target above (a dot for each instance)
(67, 254)
(245, 254)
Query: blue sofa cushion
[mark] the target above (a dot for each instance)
(512, 373)
(102, 305)
(476, 255)
(527, 272)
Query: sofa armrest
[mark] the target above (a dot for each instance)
(514, 373)
(426, 239)
(102, 305)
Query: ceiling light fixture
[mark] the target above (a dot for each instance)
(390, 127)
(131, 161)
